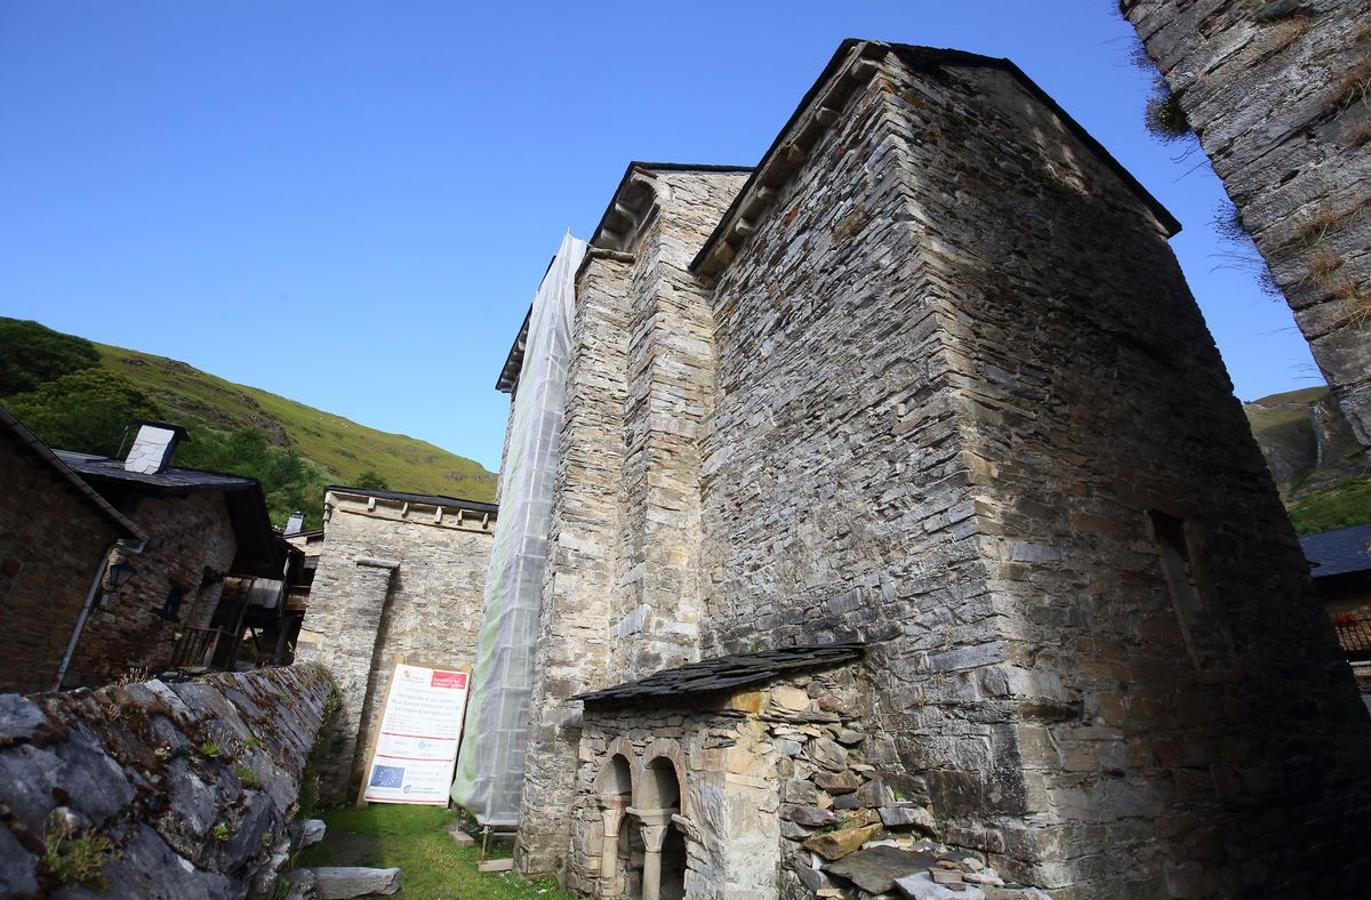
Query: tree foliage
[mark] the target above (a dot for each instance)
(288, 481)
(87, 410)
(371, 479)
(31, 355)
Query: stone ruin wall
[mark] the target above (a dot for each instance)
(916, 501)
(127, 634)
(621, 595)
(389, 584)
(1279, 94)
(193, 784)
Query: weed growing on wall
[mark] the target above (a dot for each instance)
(75, 858)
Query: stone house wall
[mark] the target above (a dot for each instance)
(944, 438)
(192, 784)
(394, 580)
(1098, 415)
(52, 544)
(190, 546)
(1278, 96)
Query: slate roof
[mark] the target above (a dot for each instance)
(727, 673)
(1338, 552)
(168, 479)
(261, 551)
(27, 438)
(406, 497)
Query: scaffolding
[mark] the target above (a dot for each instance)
(490, 766)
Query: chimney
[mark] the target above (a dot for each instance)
(295, 524)
(152, 449)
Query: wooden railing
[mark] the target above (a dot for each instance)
(195, 647)
(1354, 634)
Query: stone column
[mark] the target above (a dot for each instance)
(653, 838)
(612, 808)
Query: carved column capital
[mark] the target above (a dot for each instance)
(653, 837)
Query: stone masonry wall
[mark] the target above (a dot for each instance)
(622, 590)
(573, 646)
(389, 584)
(52, 542)
(669, 392)
(836, 485)
(187, 536)
(778, 795)
(1091, 409)
(1279, 94)
(191, 786)
(944, 437)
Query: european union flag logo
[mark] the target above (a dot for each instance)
(387, 776)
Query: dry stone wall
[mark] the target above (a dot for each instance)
(162, 790)
(1279, 94)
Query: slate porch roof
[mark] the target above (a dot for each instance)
(1338, 552)
(728, 673)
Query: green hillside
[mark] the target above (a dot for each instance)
(79, 394)
(1324, 476)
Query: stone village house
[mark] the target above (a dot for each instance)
(901, 492)
(149, 601)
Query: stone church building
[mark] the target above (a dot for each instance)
(901, 491)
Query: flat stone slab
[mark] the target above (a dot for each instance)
(312, 832)
(461, 837)
(875, 869)
(496, 865)
(921, 886)
(342, 882)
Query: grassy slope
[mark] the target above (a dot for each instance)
(1320, 495)
(414, 839)
(340, 446)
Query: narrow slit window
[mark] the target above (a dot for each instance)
(171, 607)
(1205, 637)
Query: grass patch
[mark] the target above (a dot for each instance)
(248, 776)
(415, 839)
(1348, 504)
(1165, 119)
(209, 750)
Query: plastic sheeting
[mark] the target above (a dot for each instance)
(490, 767)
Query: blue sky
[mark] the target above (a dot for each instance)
(350, 204)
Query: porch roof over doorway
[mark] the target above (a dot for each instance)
(727, 673)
